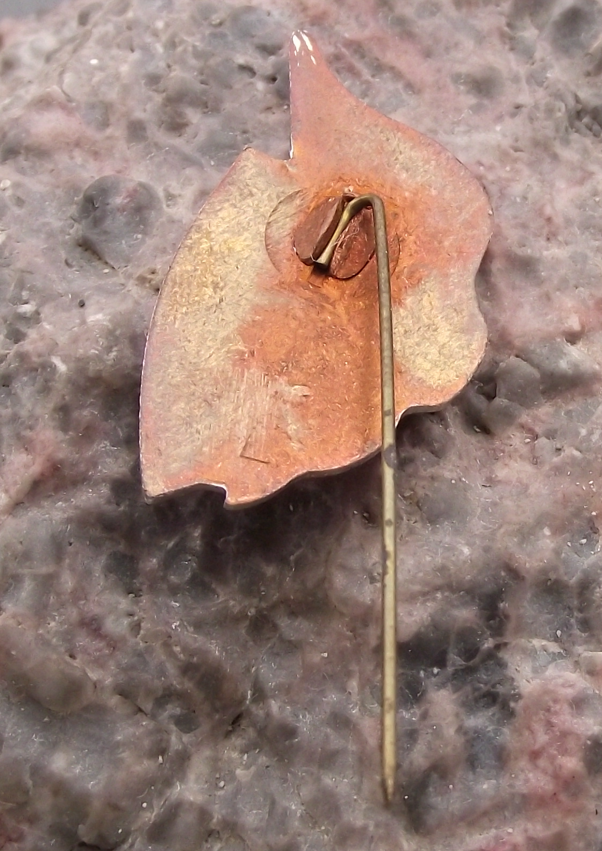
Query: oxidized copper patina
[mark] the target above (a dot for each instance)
(260, 369)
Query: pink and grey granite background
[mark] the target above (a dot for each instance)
(21, 8)
(177, 677)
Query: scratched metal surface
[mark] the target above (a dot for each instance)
(253, 363)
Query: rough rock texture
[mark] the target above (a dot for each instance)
(177, 677)
(21, 8)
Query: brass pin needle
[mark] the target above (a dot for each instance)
(388, 461)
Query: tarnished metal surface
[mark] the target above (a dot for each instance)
(259, 369)
(313, 234)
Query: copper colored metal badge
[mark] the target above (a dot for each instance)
(257, 368)
(312, 303)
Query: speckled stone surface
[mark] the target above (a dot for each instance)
(177, 677)
(21, 8)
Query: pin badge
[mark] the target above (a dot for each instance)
(312, 303)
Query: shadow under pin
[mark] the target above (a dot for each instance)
(354, 259)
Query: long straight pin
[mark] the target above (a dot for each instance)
(388, 465)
